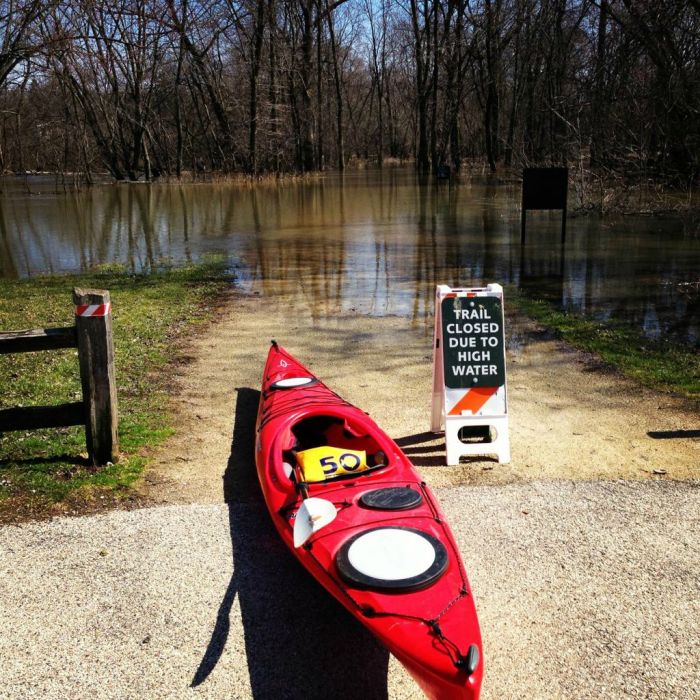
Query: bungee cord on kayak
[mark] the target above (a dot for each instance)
(459, 659)
(282, 407)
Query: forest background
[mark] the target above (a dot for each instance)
(153, 88)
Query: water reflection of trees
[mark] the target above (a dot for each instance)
(614, 272)
(8, 264)
(374, 243)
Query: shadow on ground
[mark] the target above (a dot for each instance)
(300, 642)
(673, 434)
(422, 449)
(76, 460)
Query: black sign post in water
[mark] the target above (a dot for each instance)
(544, 188)
(473, 342)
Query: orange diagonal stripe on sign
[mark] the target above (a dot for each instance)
(473, 400)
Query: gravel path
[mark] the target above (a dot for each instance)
(584, 590)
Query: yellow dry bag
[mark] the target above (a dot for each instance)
(320, 463)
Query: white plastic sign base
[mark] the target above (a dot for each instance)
(469, 377)
(499, 444)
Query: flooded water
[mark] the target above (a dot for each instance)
(374, 242)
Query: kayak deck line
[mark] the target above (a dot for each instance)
(327, 492)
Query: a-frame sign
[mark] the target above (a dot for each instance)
(469, 372)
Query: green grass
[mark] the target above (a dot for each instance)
(150, 314)
(660, 364)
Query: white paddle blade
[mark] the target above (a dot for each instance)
(313, 514)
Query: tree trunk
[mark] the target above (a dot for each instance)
(273, 89)
(306, 116)
(258, 32)
(598, 128)
(340, 136)
(319, 96)
(178, 112)
(422, 48)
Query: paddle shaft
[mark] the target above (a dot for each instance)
(301, 486)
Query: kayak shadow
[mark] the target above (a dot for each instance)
(299, 641)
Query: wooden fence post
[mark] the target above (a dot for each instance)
(93, 324)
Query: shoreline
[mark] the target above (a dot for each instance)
(590, 193)
(571, 417)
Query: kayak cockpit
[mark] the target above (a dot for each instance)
(324, 447)
(317, 431)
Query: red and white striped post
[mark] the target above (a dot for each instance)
(93, 325)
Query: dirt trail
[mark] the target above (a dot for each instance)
(570, 418)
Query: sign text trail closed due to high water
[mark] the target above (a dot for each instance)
(472, 342)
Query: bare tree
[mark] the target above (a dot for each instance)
(19, 38)
(144, 87)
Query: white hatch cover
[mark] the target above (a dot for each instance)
(293, 382)
(392, 557)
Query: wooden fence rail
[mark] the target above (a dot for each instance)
(92, 335)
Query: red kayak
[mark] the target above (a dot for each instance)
(357, 515)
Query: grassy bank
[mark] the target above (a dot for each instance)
(659, 364)
(45, 470)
